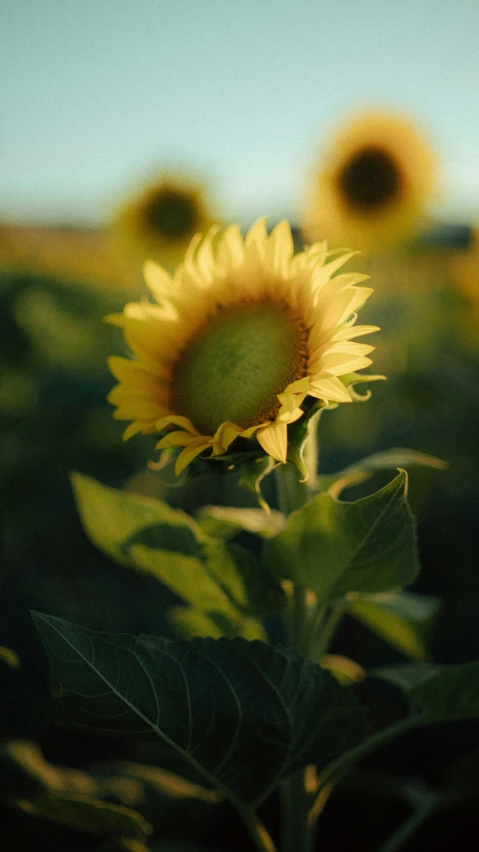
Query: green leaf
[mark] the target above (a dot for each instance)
(394, 458)
(398, 457)
(450, 694)
(260, 592)
(116, 521)
(229, 580)
(403, 619)
(149, 536)
(63, 795)
(441, 693)
(226, 521)
(242, 714)
(91, 815)
(406, 676)
(189, 622)
(335, 548)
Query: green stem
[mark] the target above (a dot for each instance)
(315, 618)
(311, 452)
(339, 766)
(408, 827)
(298, 621)
(297, 831)
(258, 833)
(329, 629)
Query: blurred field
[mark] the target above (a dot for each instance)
(55, 287)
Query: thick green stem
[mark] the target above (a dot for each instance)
(297, 831)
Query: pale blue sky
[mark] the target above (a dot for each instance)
(98, 95)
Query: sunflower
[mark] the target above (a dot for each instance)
(465, 271)
(373, 184)
(162, 219)
(237, 340)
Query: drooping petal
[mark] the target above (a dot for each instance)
(330, 389)
(274, 440)
(176, 420)
(194, 448)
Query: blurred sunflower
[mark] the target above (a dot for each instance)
(160, 222)
(373, 184)
(238, 339)
(465, 275)
(465, 271)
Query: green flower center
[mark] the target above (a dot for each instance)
(236, 364)
(370, 180)
(171, 214)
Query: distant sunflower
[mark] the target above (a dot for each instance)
(465, 276)
(236, 341)
(465, 271)
(373, 184)
(162, 219)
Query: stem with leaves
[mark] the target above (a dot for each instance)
(297, 830)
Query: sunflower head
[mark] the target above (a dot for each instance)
(243, 340)
(373, 184)
(162, 219)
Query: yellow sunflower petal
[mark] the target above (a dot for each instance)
(176, 420)
(330, 389)
(174, 439)
(133, 429)
(158, 280)
(274, 440)
(194, 448)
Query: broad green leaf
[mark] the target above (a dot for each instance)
(441, 693)
(91, 815)
(228, 580)
(394, 458)
(403, 619)
(67, 796)
(399, 457)
(189, 622)
(116, 521)
(260, 592)
(226, 521)
(149, 536)
(406, 676)
(242, 714)
(334, 548)
(450, 694)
